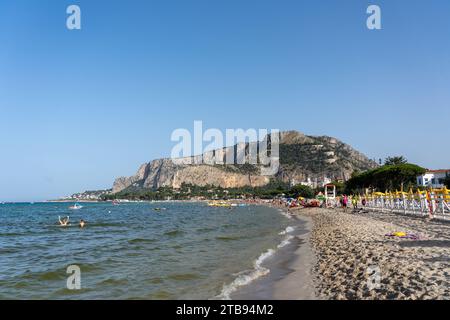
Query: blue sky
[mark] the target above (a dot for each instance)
(79, 108)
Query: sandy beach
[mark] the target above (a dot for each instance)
(354, 259)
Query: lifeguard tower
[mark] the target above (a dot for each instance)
(330, 195)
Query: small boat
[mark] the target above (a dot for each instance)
(219, 204)
(115, 203)
(76, 206)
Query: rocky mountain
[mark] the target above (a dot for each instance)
(303, 159)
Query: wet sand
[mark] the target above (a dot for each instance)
(290, 270)
(298, 284)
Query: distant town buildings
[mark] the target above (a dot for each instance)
(88, 195)
(433, 178)
(313, 183)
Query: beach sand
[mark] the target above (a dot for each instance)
(355, 260)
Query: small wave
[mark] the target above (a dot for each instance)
(285, 242)
(63, 292)
(161, 295)
(284, 213)
(247, 276)
(45, 276)
(10, 250)
(21, 285)
(287, 230)
(156, 280)
(227, 226)
(141, 240)
(228, 238)
(14, 234)
(111, 281)
(105, 224)
(205, 229)
(183, 276)
(173, 233)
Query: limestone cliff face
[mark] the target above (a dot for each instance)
(303, 159)
(166, 173)
(208, 175)
(124, 182)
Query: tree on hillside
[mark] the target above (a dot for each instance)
(355, 173)
(396, 160)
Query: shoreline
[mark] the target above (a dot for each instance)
(290, 266)
(299, 284)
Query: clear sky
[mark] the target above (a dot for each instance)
(79, 108)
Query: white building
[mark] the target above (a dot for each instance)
(433, 178)
(313, 183)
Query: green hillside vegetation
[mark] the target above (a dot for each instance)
(187, 191)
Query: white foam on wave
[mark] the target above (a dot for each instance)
(284, 213)
(285, 242)
(245, 277)
(287, 230)
(248, 276)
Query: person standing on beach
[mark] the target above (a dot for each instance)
(345, 202)
(355, 202)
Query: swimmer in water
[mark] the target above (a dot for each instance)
(64, 222)
(82, 223)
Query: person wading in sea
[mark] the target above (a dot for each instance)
(64, 222)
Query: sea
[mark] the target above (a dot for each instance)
(144, 250)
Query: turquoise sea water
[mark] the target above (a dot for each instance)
(131, 251)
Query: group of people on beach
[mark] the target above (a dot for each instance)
(64, 222)
(345, 200)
